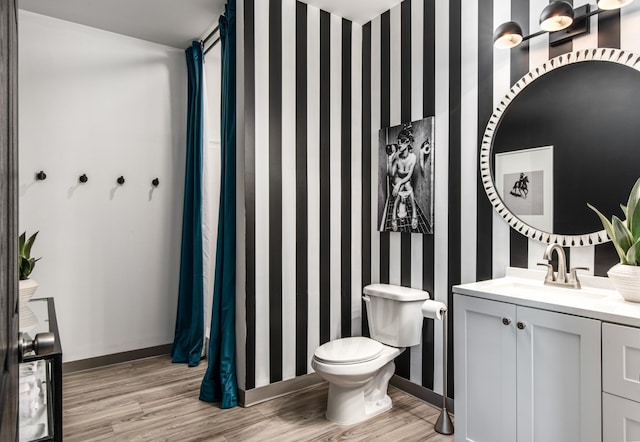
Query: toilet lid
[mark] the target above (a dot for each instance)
(349, 350)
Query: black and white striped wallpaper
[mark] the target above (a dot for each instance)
(315, 90)
(302, 158)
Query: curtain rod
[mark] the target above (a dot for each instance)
(211, 34)
(215, 42)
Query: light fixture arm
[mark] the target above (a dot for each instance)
(595, 11)
(587, 11)
(527, 37)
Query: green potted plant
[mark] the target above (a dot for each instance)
(625, 236)
(27, 286)
(25, 262)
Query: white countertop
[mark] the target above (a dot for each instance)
(596, 299)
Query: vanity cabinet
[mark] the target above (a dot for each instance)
(620, 383)
(525, 374)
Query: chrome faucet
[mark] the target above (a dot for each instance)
(560, 278)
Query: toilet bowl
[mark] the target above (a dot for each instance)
(358, 369)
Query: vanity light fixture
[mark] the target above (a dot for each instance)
(556, 16)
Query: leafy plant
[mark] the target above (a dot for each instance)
(25, 262)
(625, 235)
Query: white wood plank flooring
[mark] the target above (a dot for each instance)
(155, 400)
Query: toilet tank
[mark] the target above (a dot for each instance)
(394, 314)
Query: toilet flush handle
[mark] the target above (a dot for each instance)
(367, 303)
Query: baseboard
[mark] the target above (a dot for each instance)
(421, 392)
(247, 398)
(255, 396)
(116, 358)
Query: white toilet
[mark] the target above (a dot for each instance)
(358, 369)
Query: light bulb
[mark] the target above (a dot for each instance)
(612, 4)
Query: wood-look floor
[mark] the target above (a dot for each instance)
(155, 400)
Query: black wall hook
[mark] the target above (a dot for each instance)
(121, 180)
(83, 178)
(41, 176)
(155, 182)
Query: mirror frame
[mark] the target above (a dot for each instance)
(486, 168)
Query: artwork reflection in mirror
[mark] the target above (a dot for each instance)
(405, 177)
(524, 180)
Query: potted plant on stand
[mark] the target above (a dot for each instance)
(27, 287)
(625, 235)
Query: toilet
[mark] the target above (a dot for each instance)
(358, 369)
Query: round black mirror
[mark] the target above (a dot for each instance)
(564, 136)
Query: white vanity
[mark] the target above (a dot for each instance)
(539, 363)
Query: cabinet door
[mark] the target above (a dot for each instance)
(620, 419)
(559, 387)
(484, 370)
(621, 361)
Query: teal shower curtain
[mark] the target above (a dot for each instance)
(220, 383)
(189, 332)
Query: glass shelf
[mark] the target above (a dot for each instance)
(40, 309)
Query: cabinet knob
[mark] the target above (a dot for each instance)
(43, 344)
(506, 321)
(521, 325)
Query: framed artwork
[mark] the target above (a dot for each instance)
(524, 182)
(405, 177)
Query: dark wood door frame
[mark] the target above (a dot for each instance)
(8, 221)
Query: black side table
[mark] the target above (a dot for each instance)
(45, 423)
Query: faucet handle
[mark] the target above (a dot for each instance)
(573, 276)
(549, 277)
(573, 270)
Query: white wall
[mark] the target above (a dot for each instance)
(106, 105)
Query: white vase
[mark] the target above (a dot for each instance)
(626, 280)
(26, 290)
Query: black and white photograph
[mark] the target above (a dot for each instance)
(405, 177)
(525, 192)
(524, 182)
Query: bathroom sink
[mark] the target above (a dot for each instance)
(596, 299)
(528, 284)
(521, 287)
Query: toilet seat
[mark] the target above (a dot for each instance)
(349, 351)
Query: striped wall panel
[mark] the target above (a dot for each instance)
(246, 25)
(302, 178)
(402, 63)
(357, 199)
(455, 220)
(367, 135)
(301, 186)
(313, 191)
(274, 175)
(317, 90)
